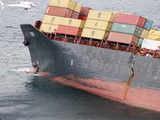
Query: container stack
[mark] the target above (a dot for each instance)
(126, 28)
(62, 17)
(145, 31)
(98, 24)
(70, 26)
(150, 37)
(68, 17)
(152, 40)
(64, 8)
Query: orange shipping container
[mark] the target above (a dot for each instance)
(130, 19)
(58, 11)
(69, 30)
(122, 38)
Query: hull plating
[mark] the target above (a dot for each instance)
(103, 72)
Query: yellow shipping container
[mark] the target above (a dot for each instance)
(73, 5)
(78, 7)
(49, 19)
(74, 23)
(154, 34)
(116, 12)
(63, 21)
(101, 15)
(144, 33)
(62, 3)
(95, 34)
(153, 37)
(101, 25)
(48, 28)
(69, 22)
(54, 19)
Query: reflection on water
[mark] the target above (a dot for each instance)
(25, 97)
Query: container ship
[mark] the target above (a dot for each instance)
(111, 54)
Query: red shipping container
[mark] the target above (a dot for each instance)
(58, 11)
(75, 15)
(84, 11)
(130, 19)
(69, 30)
(122, 38)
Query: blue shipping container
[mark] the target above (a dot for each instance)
(140, 42)
(148, 24)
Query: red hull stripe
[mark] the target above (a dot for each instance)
(137, 97)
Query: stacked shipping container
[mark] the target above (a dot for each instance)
(150, 37)
(152, 40)
(62, 17)
(60, 23)
(98, 24)
(70, 26)
(145, 31)
(64, 8)
(68, 17)
(126, 29)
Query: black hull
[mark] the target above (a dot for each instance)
(88, 62)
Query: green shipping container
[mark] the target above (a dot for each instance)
(126, 28)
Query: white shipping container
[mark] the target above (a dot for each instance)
(151, 44)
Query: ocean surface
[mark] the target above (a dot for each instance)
(27, 97)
